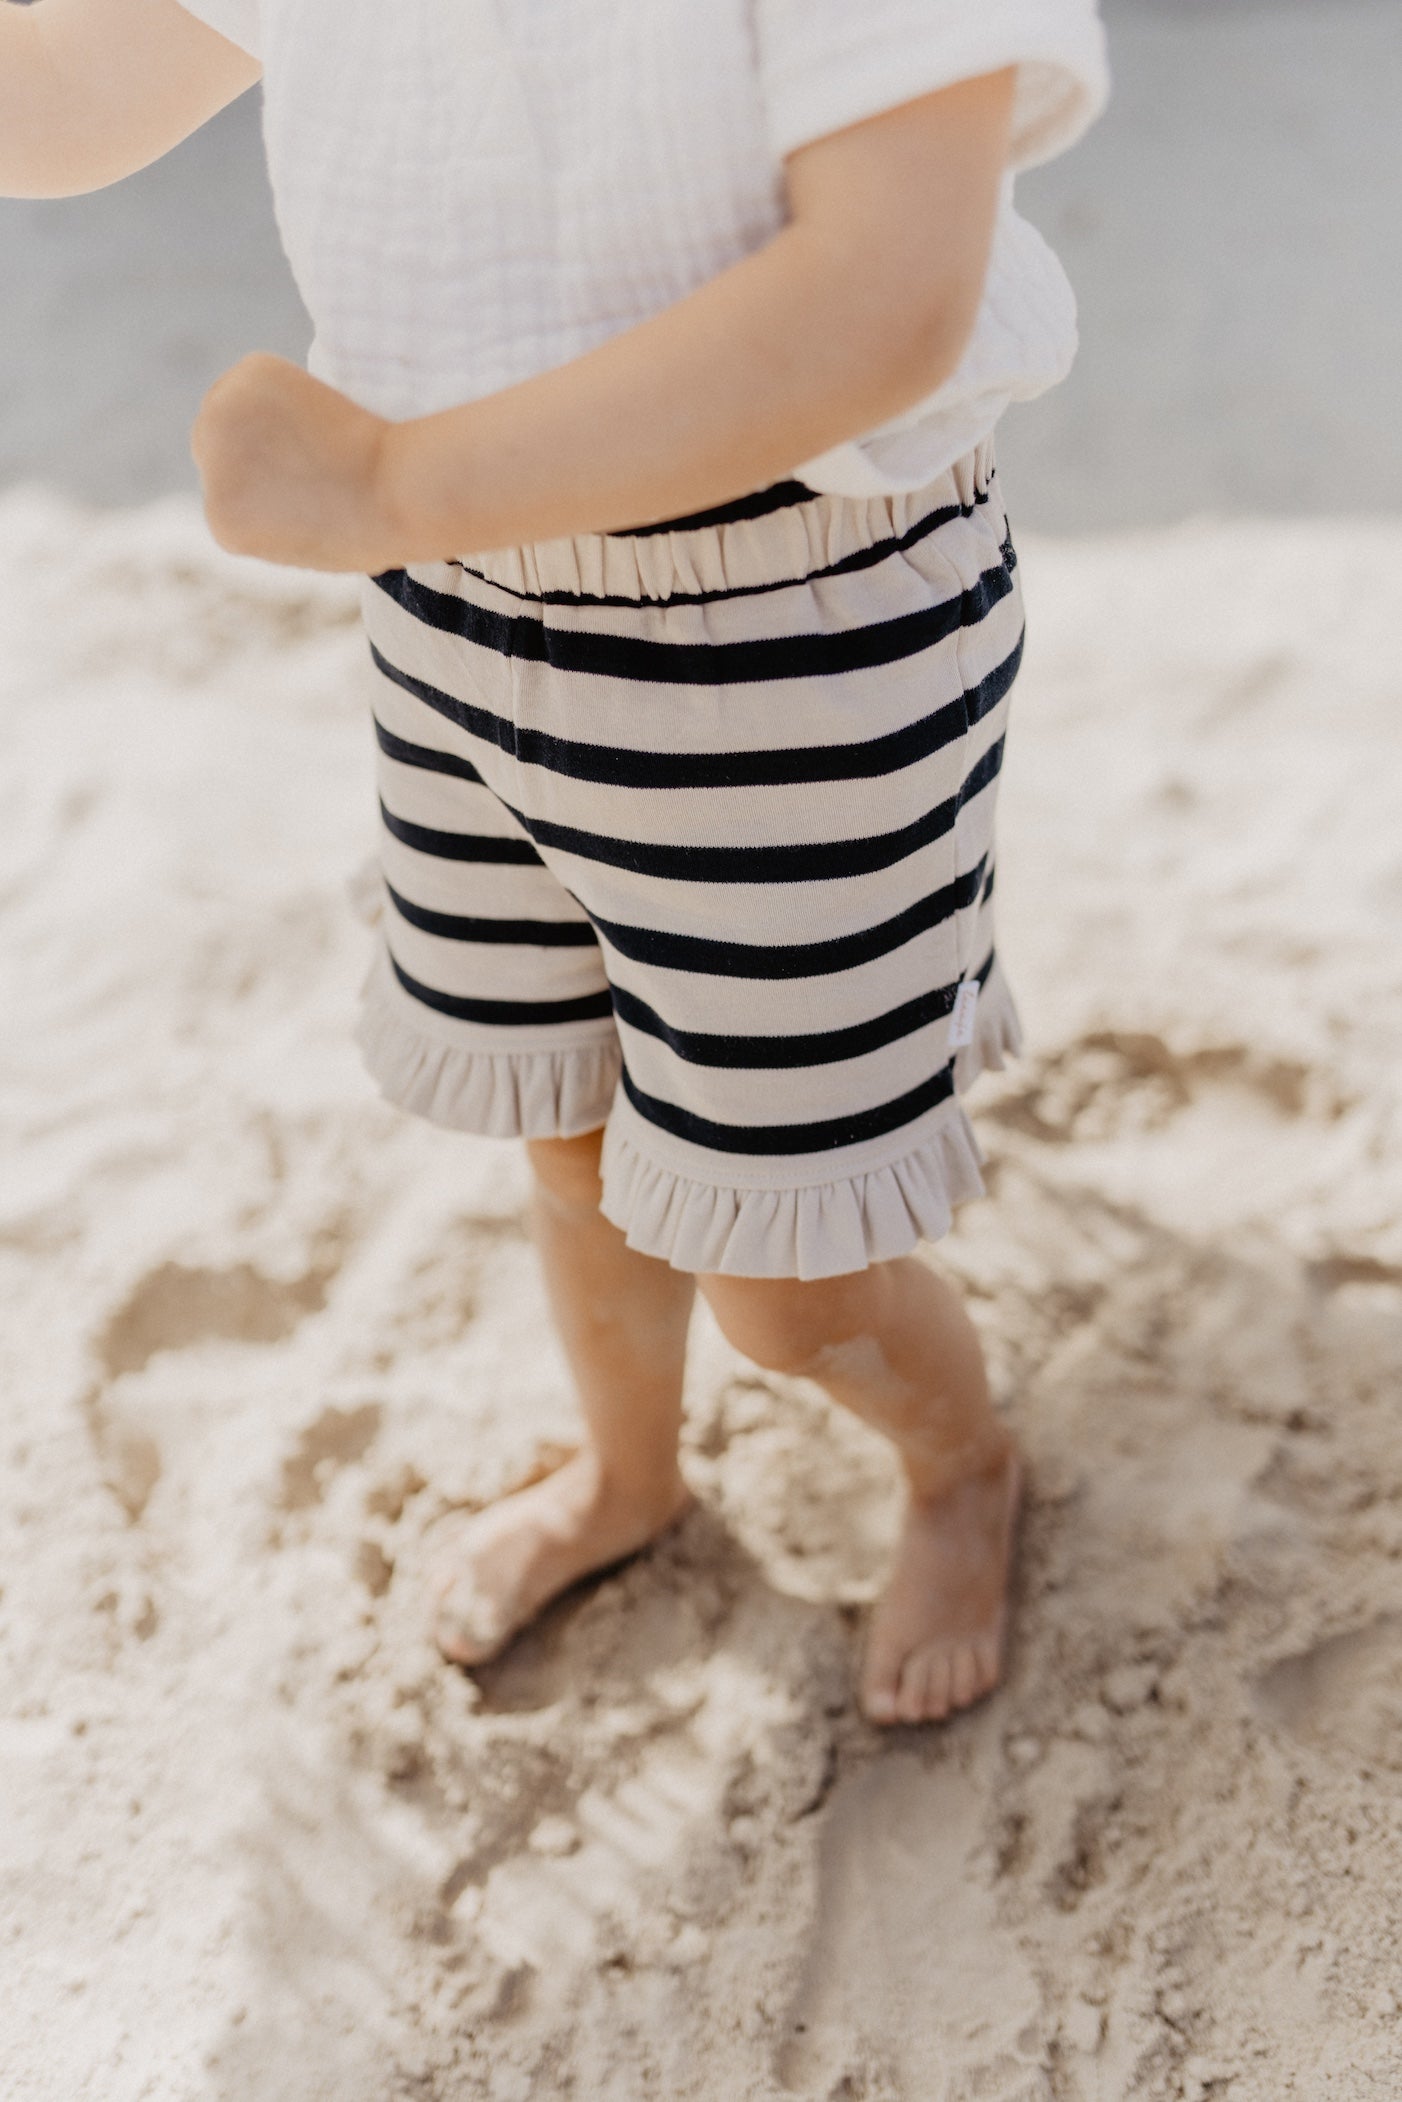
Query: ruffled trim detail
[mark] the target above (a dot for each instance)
(822, 1229)
(495, 1094)
(825, 1229)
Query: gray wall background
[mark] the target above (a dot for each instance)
(1232, 228)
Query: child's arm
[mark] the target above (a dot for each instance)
(92, 90)
(859, 308)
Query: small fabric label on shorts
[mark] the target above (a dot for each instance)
(961, 1022)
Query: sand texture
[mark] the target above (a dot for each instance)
(258, 1332)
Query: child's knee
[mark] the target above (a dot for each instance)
(567, 1170)
(784, 1323)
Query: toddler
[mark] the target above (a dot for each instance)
(659, 348)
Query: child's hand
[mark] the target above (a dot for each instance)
(291, 470)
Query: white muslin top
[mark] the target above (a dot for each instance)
(473, 191)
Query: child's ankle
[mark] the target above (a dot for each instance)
(651, 1489)
(933, 1470)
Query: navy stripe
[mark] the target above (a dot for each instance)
(861, 558)
(779, 1053)
(823, 861)
(779, 496)
(522, 934)
(762, 960)
(624, 767)
(639, 658)
(425, 756)
(817, 862)
(459, 846)
(506, 1014)
(824, 1137)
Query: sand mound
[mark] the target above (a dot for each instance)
(259, 1332)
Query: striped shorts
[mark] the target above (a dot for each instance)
(688, 833)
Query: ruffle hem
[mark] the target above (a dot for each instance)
(820, 1229)
(505, 1094)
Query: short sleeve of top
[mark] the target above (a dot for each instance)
(235, 19)
(826, 64)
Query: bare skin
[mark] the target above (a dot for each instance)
(622, 1320)
(892, 1343)
(858, 307)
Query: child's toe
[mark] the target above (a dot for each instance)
(938, 1687)
(879, 1704)
(466, 1627)
(910, 1701)
(965, 1676)
(989, 1652)
(881, 1682)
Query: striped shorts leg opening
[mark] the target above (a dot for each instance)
(690, 832)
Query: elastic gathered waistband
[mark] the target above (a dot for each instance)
(777, 497)
(786, 533)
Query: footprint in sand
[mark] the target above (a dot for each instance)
(177, 1307)
(1342, 1696)
(908, 1970)
(1336, 1272)
(334, 1439)
(1110, 1082)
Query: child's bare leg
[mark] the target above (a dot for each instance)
(895, 1345)
(622, 1319)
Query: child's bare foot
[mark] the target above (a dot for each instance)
(502, 1565)
(936, 1638)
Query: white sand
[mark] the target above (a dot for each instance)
(258, 1330)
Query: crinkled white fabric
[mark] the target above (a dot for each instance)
(422, 1064)
(881, 1209)
(471, 193)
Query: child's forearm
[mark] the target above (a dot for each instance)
(91, 90)
(28, 104)
(783, 357)
(858, 309)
